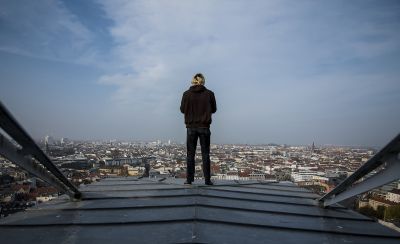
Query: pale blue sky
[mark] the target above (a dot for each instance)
(283, 71)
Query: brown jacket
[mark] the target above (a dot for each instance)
(198, 103)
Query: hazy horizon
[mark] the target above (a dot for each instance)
(284, 72)
(212, 143)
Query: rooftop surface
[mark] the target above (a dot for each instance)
(132, 210)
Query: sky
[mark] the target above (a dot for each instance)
(292, 72)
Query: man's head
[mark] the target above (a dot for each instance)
(198, 79)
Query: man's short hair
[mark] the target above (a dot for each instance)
(199, 75)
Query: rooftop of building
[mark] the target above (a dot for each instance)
(395, 191)
(382, 200)
(165, 210)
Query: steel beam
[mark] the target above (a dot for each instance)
(10, 125)
(387, 175)
(12, 153)
(391, 149)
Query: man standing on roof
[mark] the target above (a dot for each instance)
(198, 103)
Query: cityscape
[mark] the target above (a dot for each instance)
(199, 121)
(317, 168)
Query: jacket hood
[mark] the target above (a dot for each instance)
(197, 88)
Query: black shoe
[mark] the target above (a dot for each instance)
(209, 183)
(187, 182)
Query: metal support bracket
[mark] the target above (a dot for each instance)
(12, 153)
(387, 175)
(388, 156)
(42, 166)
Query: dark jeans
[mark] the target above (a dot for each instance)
(191, 143)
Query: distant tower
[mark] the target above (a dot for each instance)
(46, 143)
(313, 147)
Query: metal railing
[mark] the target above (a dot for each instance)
(388, 158)
(29, 156)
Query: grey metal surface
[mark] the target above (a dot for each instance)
(29, 148)
(265, 191)
(147, 211)
(390, 151)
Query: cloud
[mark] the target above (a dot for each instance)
(265, 61)
(277, 67)
(44, 29)
(160, 43)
